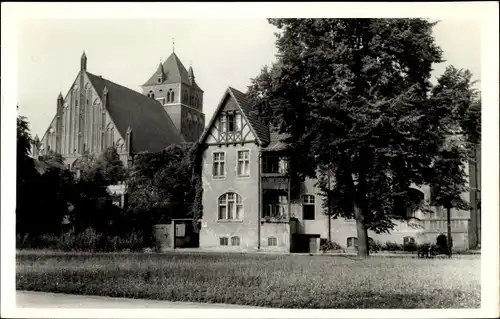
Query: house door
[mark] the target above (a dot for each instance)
(184, 235)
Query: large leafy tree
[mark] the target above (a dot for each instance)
(160, 186)
(43, 187)
(460, 131)
(25, 164)
(26, 176)
(93, 205)
(353, 95)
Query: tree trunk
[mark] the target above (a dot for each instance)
(363, 250)
(448, 219)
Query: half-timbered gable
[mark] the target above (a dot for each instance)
(232, 122)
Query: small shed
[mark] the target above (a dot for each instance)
(178, 233)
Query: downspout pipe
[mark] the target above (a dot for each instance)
(259, 212)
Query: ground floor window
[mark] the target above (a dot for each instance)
(275, 205)
(223, 241)
(352, 242)
(408, 240)
(272, 241)
(235, 241)
(308, 204)
(230, 207)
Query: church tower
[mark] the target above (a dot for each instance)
(176, 89)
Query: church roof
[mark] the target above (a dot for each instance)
(174, 72)
(152, 128)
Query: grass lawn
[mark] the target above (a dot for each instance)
(258, 280)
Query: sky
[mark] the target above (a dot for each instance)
(222, 52)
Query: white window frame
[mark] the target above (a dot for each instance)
(238, 119)
(223, 239)
(233, 207)
(233, 116)
(272, 241)
(277, 208)
(235, 241)
(218, 164)
(243, 163)
(223, 123)
(309, 200)
(409, 240)
(354, 241)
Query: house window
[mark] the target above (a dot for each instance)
(218, 164)
(243, 163)
(223, 241)
(276, 206)
(274, 164)
(235, 241)
(271, 164)
(159, 80)
(223, 122)
(408, 240)
(180, 230)
(352, 242)
(308, 204)
(172, 97)
(230, 123)
(272, 241)
(230, 207)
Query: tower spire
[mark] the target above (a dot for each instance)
(173, 45)
(83, 62)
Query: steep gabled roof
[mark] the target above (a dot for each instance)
(152, 128)
(174, 72)
(260, 129)
(276, 142)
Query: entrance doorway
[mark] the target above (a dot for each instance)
(185, 235)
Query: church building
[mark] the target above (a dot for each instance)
(97, 113)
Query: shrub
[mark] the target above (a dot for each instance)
(392, 246)
(410, 247)
(23, 241)
(327, 245)
(133, 241)
(88, 240)
(374, 246)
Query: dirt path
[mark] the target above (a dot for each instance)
(35, 299)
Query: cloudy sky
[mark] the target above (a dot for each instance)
(223, 52)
